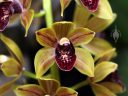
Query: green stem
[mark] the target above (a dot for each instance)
(79, 85)
(29, 74)
(47, 6)
(48, 12)
(40, 14)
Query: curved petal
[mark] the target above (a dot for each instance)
(114, 87)
(62, 28)
(49, 86)
(84, 62)
(97, 46)
(64, 5)
(81, 36)
(44, 59)
(106, 55)
(46, 37)
(64, 91)
(104, 10)
(80, 15)
(11, 68)
(13, 48)
(29, 90)
(104, 69)
(100, 90)
(98, 24)
(27, 17)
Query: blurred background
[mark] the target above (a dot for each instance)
(29, 46)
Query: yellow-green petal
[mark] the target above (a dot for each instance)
(64, 5)
(29, 90)
(103, 69)
(81, 36)
(84, 62)
(11, 68)
(114, 87)
(106, 55)
(104, 10)
(62, 28)
(46, 37)
(97, 46)
(44, 59)
(81, 14)
(26, 19)
(98, 24)
(13, 48)
(100, 90)
(49, 86)
(65, 91)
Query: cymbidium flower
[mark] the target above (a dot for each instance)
(105, 81)
(9, 9)
(47, 87)
(61, 43)
(99, 8)
(11, 66)
(98, 46)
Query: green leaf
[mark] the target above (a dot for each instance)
(29, 90)
(100, 90)
(46, 37)
(44, 59)
(84, 62)
(49, 86)
(81, 36)
(104, 10)
(98, 24)
(64, 91)
(8, 85)
(62, 28)
(64, 5)
(26, 19)
(103, 69)
(13, 48)
(11, 68)
(27, 4)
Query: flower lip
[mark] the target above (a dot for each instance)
(65, 55)
(92, 5)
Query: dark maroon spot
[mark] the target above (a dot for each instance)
(65, 56)
(90, 4)
(5, 13)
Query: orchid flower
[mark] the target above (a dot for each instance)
(61, 44)
(46, 87)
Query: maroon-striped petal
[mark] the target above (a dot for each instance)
(65, 55)
(90, 4)
(5, 13)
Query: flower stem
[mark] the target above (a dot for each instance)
(79, 85)
(47, 6)
(40, 14)
(48, 12)
(29, 74)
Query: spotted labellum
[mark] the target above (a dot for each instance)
(65, 55)
(7, 9)
(90, 4)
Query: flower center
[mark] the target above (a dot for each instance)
(65, 55)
